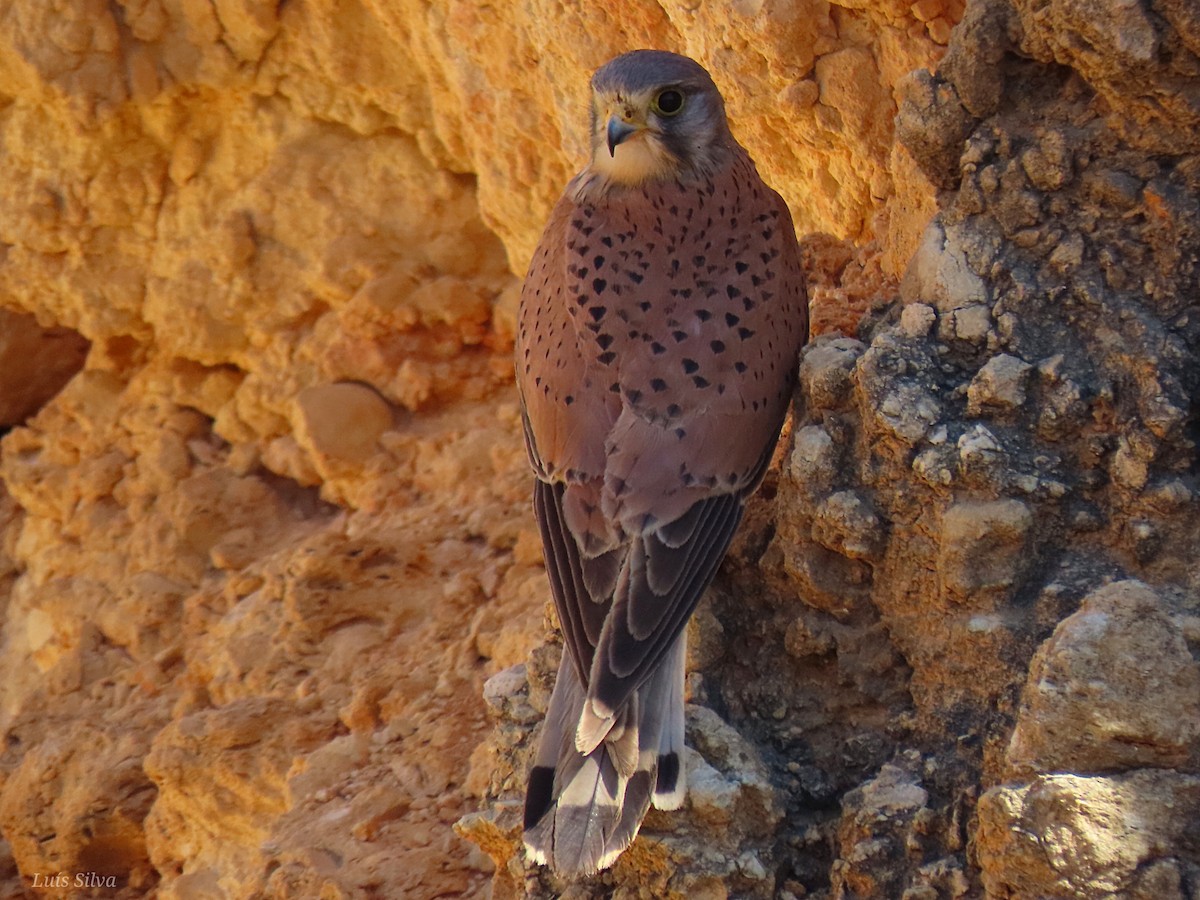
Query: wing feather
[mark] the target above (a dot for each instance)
(580, 612)
(626, 657)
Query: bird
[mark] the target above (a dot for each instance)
(657, 345)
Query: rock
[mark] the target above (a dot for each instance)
(1115, 687)
(999, 386)
(506, 694)
(751, 799)
(932, 123)
(970, 323)
(983, 546)
(917, 319)
(940, 274)
(845, 523)
(825, 367)
(1071, 836)
(344, 421)
(876, 832)
(814, 459)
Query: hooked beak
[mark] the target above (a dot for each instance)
(619, 130)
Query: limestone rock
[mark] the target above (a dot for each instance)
(846, 524)
(825, 369)
(1115, 687)
(999, 385)
(983, 546)
(344, 421)
(1071, 836)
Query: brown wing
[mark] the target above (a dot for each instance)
(567, 411)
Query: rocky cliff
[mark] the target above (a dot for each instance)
(275, 622)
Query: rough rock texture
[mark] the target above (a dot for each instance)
(274, 618)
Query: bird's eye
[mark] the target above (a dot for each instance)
(668, 103)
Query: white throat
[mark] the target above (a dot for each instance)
(639, 159)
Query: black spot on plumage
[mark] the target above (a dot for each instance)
(569, 399)
(658, 385)
(703, 315)
(700, 381)
(698, 261)
(740, 367)
(731, 319)
(748, 304)
(598, 285)
(633, 395)
(745, 333)
(690, 366)
(606, 241)
(717, 346)
(598, 312)
(673, 410)
(598, 262)
(606, 357)
(680, 433)
(635, 277)
(604, 340)
(539, 796)
(657, 348)
(668, 771)
(614, 388)
(741, 270)
(680, 336)
(732, 292)
(644, 306)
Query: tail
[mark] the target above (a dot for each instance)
(582, 811)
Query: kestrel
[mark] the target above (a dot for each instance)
(659, 330)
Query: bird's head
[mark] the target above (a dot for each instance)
(656, 116)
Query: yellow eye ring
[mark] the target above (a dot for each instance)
(668, 103)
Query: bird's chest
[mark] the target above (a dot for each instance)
(641, 262)
(657, 288)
